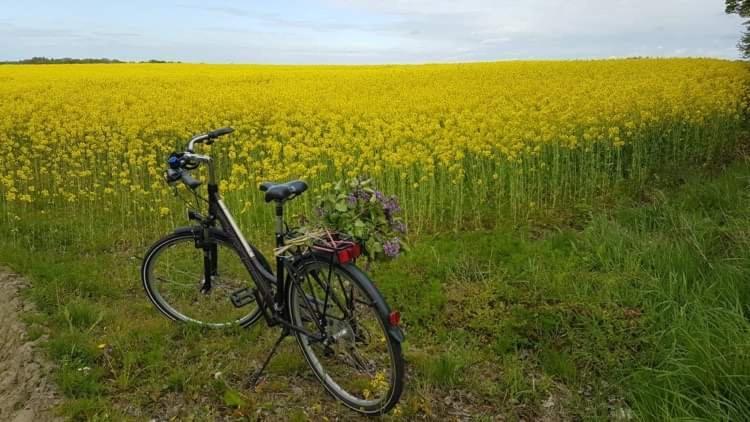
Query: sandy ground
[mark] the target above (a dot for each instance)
(26, 391)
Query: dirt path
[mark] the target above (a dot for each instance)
(26, 392)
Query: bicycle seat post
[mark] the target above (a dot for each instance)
(279, 259)
(279, 224)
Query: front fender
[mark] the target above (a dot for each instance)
(188, 229)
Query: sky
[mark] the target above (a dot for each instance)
(365, 31)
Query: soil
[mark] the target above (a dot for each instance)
(26, 391)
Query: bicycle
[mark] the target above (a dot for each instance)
(210, 275)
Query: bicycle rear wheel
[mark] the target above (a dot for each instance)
(173, 276)
(359, 362)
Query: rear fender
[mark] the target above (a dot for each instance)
(382, 307)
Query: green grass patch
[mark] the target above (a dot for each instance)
(637, 306)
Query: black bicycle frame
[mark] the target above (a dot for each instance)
(218, 210)
(262, 278)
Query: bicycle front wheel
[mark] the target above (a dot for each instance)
(357, 360)
(173, 275)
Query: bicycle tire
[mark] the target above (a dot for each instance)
(366, 287)
(185, 235)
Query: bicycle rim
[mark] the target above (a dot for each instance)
(175, 282)
(359, 364)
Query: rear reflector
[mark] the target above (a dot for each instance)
(394, 318)
(349, 253)
(344, 256)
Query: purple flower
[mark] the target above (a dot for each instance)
(391, 206)
(392, 247)
(361, 194)
(399, 226)
(351, 200)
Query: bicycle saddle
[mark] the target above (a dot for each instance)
(283, 191)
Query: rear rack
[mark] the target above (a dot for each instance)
(332, 246)
(341, 251)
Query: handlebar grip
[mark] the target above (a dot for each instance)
(219, 132)
(171, 176)
(189, 180)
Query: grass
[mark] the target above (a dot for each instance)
(635, 307)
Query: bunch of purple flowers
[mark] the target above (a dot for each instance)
(357, 210)
(392, 247)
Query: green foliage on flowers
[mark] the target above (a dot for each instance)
(356, 209)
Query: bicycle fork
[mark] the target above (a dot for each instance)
(210, 265)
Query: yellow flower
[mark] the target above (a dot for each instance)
(94, 138)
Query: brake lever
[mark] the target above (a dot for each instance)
(190, 165)
(171, 176)
(189, 180)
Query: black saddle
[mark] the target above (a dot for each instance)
(283, 191)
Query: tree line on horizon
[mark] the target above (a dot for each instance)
(70, 60)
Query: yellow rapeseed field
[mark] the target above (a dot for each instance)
(459, 143)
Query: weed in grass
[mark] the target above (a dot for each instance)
(89, 409)
(34, 332)
(507, 340)
(79, 381)
(80, 315)
(287, 362)
(444, 370)
(178, 380)
(35, 325)
(74, 347)
(559, 364)
(233, 398)
(515, 380)
(297, 415)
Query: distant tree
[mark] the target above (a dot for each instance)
(741, 8)
(69, 60)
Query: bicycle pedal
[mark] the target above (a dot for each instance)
(242, 297)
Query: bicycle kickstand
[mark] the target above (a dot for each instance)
(256, 377)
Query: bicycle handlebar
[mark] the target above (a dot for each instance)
(189, 180)
(172, 176)
(180, 163)
(220, 132)
(210, 136)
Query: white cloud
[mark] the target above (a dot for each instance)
(561, 28)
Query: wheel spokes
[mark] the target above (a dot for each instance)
(352, 359)
(178, 274)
